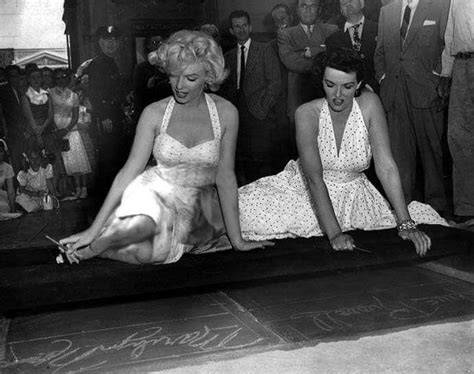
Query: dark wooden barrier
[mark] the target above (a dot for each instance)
(30, 279)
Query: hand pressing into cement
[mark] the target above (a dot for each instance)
(421, 241)
(342, 242)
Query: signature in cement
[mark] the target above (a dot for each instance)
(69, 356)
(339, 319)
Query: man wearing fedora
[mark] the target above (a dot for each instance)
(107, 98)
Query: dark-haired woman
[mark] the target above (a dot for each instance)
(326, 191)
(66, 115)
(37, 108)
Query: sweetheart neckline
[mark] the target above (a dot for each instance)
(184, 145)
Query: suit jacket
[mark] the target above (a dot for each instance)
(145, 95)
(11, 108)
(418, 58)
(342, 39)
(262, 80)
(105, 88)
(292, 42)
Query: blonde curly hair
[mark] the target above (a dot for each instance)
(184, 48)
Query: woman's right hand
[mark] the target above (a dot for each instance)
(342, 242)
(248, 245)
(79, 240)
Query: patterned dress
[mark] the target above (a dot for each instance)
(179, 193)
(280, 206)
(6, 172)
(75, 159)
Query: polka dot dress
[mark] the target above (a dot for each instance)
(280, 206)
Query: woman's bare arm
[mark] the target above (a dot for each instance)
(136, 162)
(225, 179)
(307, 128)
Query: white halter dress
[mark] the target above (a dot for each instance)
(280, 206)
(179, 193)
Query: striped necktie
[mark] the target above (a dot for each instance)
(405, 23)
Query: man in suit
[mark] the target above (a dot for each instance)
(149, 83)
(407, 64)
(360, 34)
(107, 97)
(253, 85)
(297, 46)
(458, 64)
(16, 129)
(282, 18)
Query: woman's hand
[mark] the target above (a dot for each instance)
(77, 241)
(248, 245)
(342, 242)
(421, 241)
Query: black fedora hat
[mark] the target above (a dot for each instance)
(108, 32)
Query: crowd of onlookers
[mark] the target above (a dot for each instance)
(46, 150)
(410, 50)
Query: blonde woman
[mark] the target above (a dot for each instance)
(188, 201)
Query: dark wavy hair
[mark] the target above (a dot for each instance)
(239, 14)
(343, 59)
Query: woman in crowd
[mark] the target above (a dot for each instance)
(66, 115)
(7, 190)
(37, 108)
(326, 191)
(35, 181)
(84, 126)
(188, 201)
(47, 76)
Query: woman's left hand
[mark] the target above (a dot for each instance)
(247, 245)
(421, 241)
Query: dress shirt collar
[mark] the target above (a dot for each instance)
(246, 44)
(347, 25)
(413, 4)
(307, 28)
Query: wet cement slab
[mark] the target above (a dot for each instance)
(165, 332)
(234, 322)
(357, 303)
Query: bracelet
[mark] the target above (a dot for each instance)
(336, 236)
(407, 224)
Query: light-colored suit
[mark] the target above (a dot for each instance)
(292, 42)
(408, 92)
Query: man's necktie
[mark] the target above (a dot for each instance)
(242, 67)
(309, 32)
(405, 22)
(356, 38)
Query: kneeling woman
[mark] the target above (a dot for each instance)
(326, 191)
(173, 207)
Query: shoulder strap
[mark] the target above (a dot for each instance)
(216, 125)
(167, 115)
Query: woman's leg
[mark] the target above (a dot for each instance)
(83, 185)
(124, 236)
(136, 253)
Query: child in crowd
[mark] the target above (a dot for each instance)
(7, 191)
(35, 182)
